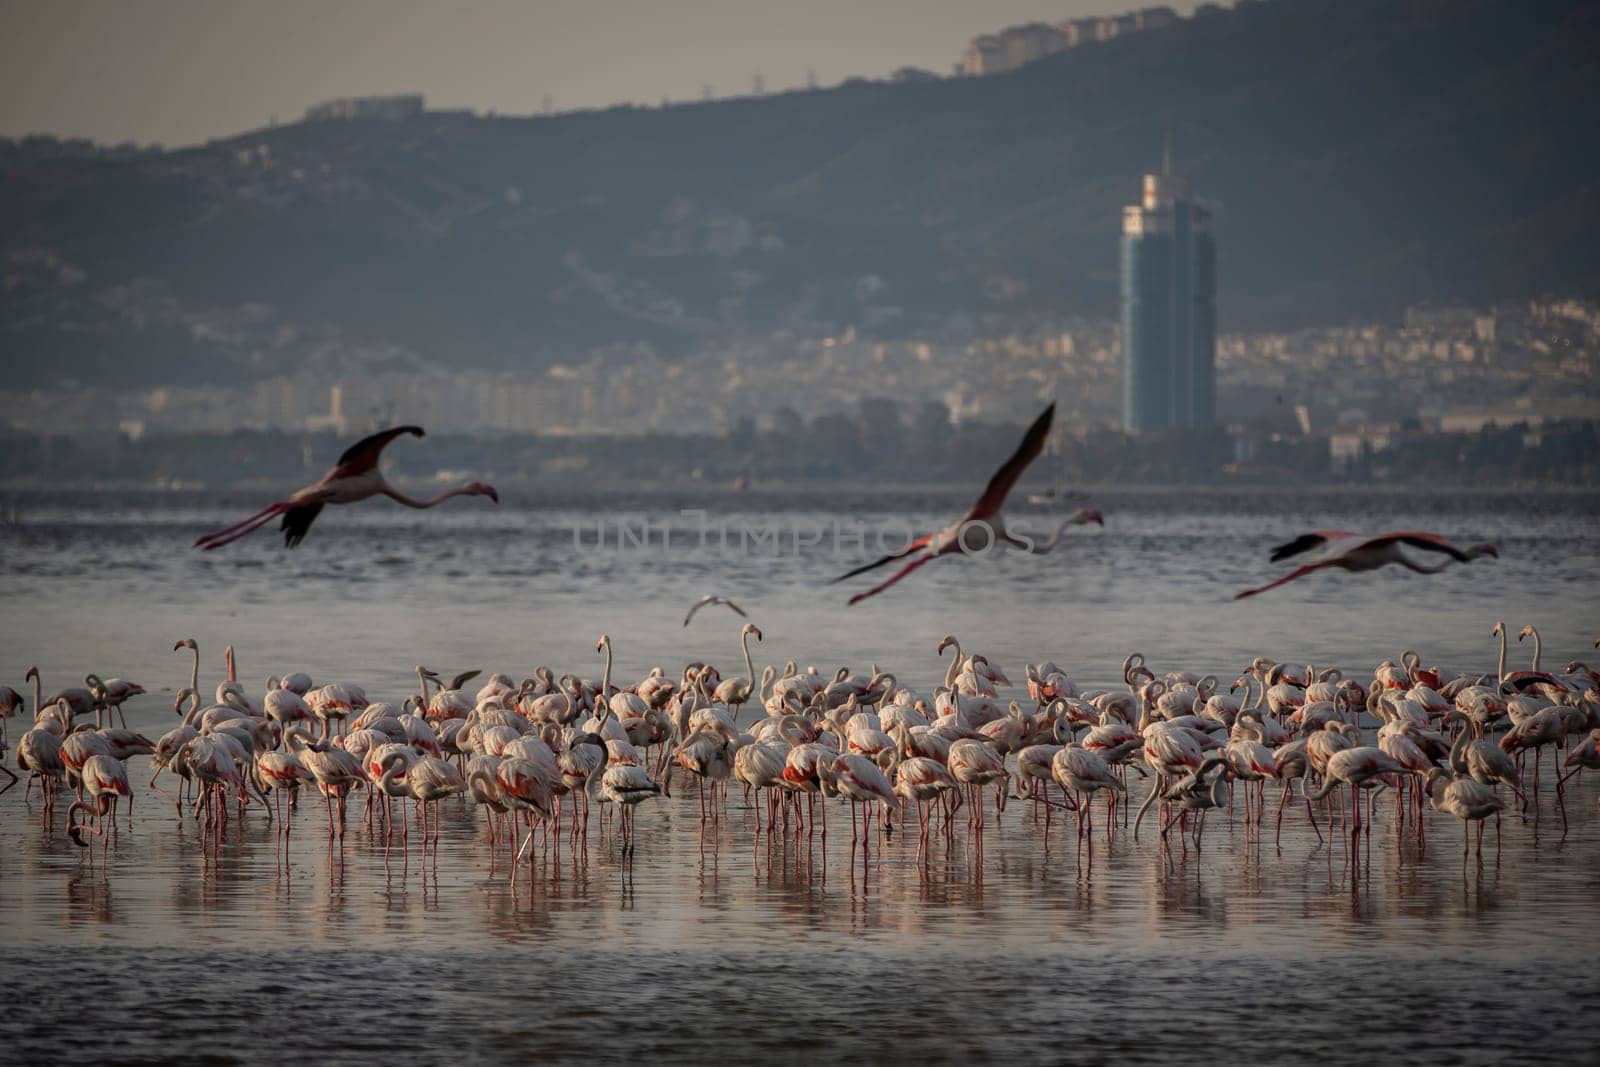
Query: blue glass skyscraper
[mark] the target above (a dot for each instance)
(1169, 310)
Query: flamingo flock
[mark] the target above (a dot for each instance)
(357, 476)
(538, 757)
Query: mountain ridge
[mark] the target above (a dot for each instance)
(1363, 156)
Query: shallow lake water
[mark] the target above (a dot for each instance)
(714, 943)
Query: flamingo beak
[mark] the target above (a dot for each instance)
(489, 492)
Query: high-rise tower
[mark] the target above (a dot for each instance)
(1169, 308)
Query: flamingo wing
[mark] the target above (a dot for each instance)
(1298, 572)
(1306, 542)
(1427, 542)
(712, 598)
(365, 453)
(919, 543)
(296, 521)
(994, 494)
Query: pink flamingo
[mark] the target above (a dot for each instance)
(104, 780)
(1356, 553)
(355, 477)
(986, 512)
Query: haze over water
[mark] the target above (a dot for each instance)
(715, 946)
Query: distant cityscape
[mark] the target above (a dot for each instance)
(1345, 390)
(1010, 48)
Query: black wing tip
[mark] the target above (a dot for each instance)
(1303, 543)
(296, 521)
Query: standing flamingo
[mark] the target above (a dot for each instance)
(922, 780)
(735, 692)
(355, 477)
(1356, 553)
(104, 780)
(862, 781)
(627, 785)
(527, 787)
(1466, 799)
(984, 513)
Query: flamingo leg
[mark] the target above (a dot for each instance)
(901, 573)
(229, 534)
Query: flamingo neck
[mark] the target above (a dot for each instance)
(954, 672)
(412, 502)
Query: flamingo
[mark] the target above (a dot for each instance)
(710, 599)
(430, 780)
(527, 787)
(1547, 727)
(1466, 799)
(704, 753)
(1360, 767)
(628, 785)
(922, 780)
(110, 694)
(806, 770)
(975, 764)
(1357, 553)
(862, 781)
(1077, 769)
(104, 780)
(1483, 760)
(760, 766)
(985, 513)
(336, 772)
(485, 792)
(277, 772)
(11, 702)
(355, 477)
(39, 754)
(735, 692)
(1194, 793)
(1586, 754)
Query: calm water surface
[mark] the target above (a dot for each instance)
(716, 944)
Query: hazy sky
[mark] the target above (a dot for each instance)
(179, 71)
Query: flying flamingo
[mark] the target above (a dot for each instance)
(986, 512)
(355, 477)
(1356, 553)
(708, 600)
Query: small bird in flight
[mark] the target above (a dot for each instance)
(1354, 552)
(986, 511)
(710, 599)
(355, 477)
